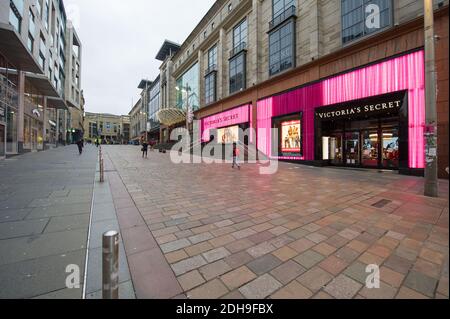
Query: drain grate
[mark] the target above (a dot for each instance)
(382, 203)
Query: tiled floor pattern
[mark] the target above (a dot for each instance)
(207, 231)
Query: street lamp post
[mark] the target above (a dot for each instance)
(431, 176)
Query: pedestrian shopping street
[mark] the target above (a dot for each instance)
(207, 231)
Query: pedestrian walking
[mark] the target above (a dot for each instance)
(236, 156)
(80, 145)
(97, 142)
(144, 149)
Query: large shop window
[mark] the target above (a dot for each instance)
(364, 17)
(369, 133)
(289, 131)
(281, 47)
(188, 89)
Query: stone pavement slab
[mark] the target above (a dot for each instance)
(44, 221)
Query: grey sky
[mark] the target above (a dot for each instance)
(120, 40)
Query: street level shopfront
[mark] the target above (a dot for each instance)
(227, 127)
(373, 116)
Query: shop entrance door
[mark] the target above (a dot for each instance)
(335, 149)
(390, 148)
(34, 139)
(2, 141)
(370, 148)
(352, 148)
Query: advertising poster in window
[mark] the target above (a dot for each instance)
(291, 137)
(228, 135)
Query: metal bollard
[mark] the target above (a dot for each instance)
(110, 265)
(102, 171)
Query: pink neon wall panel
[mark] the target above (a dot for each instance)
(397, 74)
(231, 117)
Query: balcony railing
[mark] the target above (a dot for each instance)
(283, 16)
(210, 69)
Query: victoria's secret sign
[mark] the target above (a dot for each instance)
(345, 111)
(222, 119)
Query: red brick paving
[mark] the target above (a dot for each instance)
(296, 234)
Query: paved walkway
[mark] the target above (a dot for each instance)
(45, 203)
(206, 231)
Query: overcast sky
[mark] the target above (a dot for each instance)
(120, 41)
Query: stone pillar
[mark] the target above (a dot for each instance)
(57, 127)
(201, 78)
(253, 45)
(21, 112)
(45, 124)
(222, 58)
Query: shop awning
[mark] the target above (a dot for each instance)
(57, 103)
(42, 84)
(171, 116)
(12, 47)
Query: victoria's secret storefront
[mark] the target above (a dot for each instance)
(227, 127)
(370, 117)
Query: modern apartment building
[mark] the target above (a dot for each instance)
(137, 121)
(34, 67)
(342, 81)
(109, 128)
(73, 92)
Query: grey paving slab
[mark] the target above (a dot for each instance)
(12, 215)
(99, 228)
(25, 248)
(59, 210)
(22, 228)
(71, 222)
(39, 276)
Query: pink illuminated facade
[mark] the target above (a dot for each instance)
(402, 73)
(236, 116)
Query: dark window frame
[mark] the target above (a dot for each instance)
(363, 30)
(292, 23)
(237, 27)
(234, 86)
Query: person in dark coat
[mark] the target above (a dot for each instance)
(144, 149)
(80, 145)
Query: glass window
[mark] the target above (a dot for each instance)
(188, 88)
(212, 57)
(210, 88)
(39, 7)
(240, 34)
(15, 18)
(363, 17)
(32, 26)
(41, 60)
(45, 16)
(237, 73)
(281, 49)
(30, 42)
(279, 6)
(154, 102)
